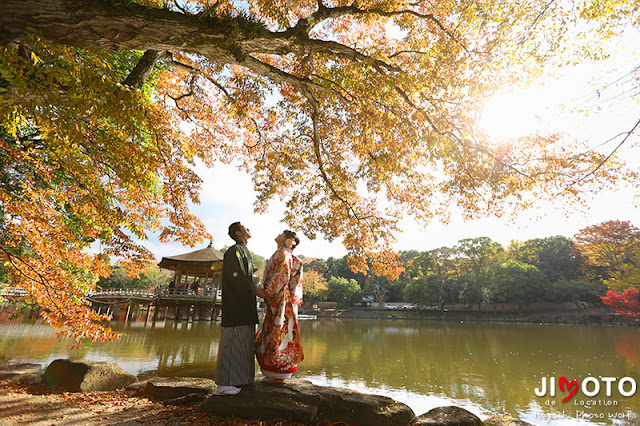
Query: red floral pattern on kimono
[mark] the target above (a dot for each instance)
(278, 345)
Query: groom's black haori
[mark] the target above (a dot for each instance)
(235, 363)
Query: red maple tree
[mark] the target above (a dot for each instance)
(625, 303)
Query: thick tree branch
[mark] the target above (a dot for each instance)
(97, 24)
(110, 25)
(351, 54)
(400, 52)
(276, 74)
(143, 69)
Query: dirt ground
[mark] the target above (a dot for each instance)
(36, 405)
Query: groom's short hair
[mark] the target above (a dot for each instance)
(233, 228)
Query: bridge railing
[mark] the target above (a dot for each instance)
(162, 292)
(124, 292)
(213, 293)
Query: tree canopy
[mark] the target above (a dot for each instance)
(478, 271)
(607, 246)
(356, 114)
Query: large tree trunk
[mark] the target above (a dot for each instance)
(105, 24)
(112, 25)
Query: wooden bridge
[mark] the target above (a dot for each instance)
(163, 303)
(194, 292)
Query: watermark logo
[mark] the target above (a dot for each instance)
(602, 394)
(590, 387)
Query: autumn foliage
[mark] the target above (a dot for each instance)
(610, 253)
(72, 176)
(355, 114)
(625, 303)
(607, 246)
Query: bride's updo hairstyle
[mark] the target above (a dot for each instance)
(291, 234)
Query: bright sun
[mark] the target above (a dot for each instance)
(510, 115)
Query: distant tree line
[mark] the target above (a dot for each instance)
(480, 271)
(475, 271)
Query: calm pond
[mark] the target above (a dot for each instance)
(487, 368)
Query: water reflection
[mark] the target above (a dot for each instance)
(487, 368)
(493, 365)
(627, 345)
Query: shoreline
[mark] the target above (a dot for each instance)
(598, 315)
(36, 404)
(591, 316)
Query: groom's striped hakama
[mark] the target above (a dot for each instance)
(236, 362)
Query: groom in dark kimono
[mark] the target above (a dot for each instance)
(235, 364)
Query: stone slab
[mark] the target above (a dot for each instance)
(302, 401)
(168, 388)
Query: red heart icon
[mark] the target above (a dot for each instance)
(572, 387)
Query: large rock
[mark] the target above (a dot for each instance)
(170, 389)
(86, 376)
(503, 420)
(21, 373)
(447, 416)
(301, 401)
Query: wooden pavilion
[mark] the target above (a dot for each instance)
(201, 267)
(194, 292)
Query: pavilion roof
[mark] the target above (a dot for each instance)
(207, 255)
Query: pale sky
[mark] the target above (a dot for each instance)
(593, 101)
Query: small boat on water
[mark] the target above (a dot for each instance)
(307, 317)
